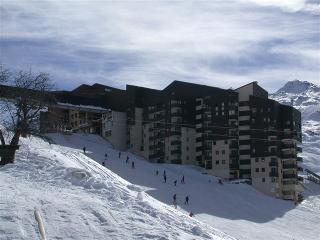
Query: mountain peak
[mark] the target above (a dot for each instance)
(297, 86)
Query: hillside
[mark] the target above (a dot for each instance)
(80, 199)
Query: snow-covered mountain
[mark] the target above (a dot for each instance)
(303, 95)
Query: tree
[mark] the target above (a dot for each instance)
(24, 97)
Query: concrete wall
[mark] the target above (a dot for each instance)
(136, 144)
(188, 145)
(261, 179)
(114, 129)
(220, 159)
(245, 92)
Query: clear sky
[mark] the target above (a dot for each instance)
(150, 43)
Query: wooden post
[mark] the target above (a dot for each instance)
(7, 153)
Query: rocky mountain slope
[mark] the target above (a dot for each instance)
(303, 95)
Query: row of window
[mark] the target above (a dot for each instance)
(222, 162)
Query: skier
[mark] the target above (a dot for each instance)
(132, 164)
(157, 173)
(105, 156)
(127, 160)
(182, 180)
(220, 181)
(119, 154)
(103, 163)
(164, 176)
(191, 214)
(175, 200)
(84, 150)
(187, 200)
(175, 182)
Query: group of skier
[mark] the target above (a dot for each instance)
(186, 202)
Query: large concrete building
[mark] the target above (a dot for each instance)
(232, 134)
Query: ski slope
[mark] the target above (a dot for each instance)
(80, 199)
(236, 209)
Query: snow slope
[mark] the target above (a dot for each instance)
(80, 199)
(237, 209)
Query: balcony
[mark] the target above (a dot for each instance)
(273, 174)
(234, 145)
(299, 159)
(176, 142)
(273, 164)
(178, 151)
(289, 166)
(288, 156)
(288, 176)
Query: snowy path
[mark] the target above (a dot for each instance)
(80, 199)
(238, 210)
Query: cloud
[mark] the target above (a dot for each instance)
(151, 43)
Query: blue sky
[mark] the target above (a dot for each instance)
(151, 43)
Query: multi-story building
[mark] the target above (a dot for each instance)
(232, 134)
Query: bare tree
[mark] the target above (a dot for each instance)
(25, 96)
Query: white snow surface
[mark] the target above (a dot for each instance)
(80, 199)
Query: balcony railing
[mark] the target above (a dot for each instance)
(288, 156)
(273, 164)
(286, 176)
(273, 174)
(289, 166)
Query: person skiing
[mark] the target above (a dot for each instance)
(157, 173)
(182, 180)
(119, 154)
(175, 182)
(105, 156)
(187, 200)
(191, 214)
(220, 181)
(103, 163)
(127, 160)
(84, 150)
(164, 176)
(175, 200)
(132, 164)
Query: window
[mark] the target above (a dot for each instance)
(214, 143)
(253, 120)
(223, 161)
(257, 159)
(217, 152)
(222, 113)
(223, 152)
(232, 112)
(217, 113)
(263, 179)
(225, 142)
(187, 148)
(262, 159)
(257, 169)
(263, 169)
(254, 110)
(217, 162)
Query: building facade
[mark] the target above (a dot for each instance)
(232, 134)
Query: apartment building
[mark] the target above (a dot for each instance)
(231, 134)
